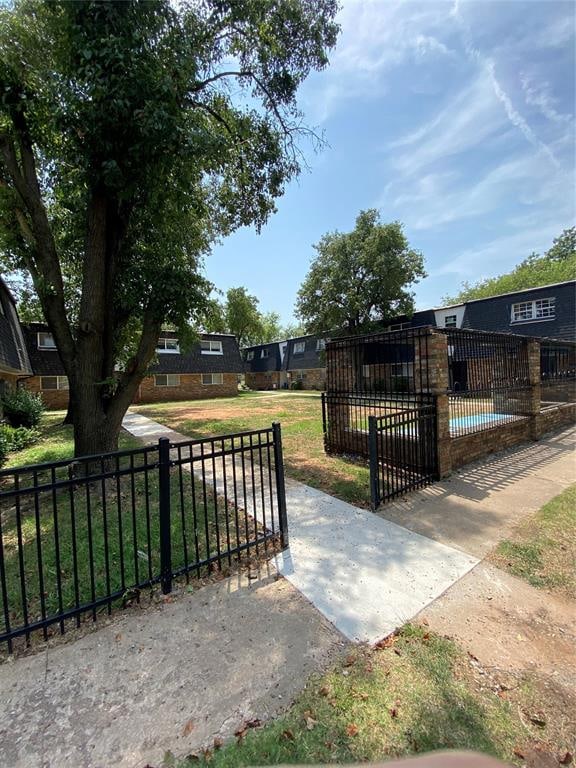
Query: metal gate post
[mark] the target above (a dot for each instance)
(280, 485)
(373, 452)
(164, 508)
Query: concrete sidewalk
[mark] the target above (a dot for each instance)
(479, 505)
(367, 575)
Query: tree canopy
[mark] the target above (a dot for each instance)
(360, 277)
(132, 135)
(239, 314)
(555, 266)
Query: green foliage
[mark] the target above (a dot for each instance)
(15, 439)
(132, 136)
(22, 408)
(239, 314)
(556, 266)
(360, 277)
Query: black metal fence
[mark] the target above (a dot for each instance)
(81, 535)
(403, 452)
(488, 380)
(394, 363)
(557, 372)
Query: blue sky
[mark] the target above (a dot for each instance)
(456, 118)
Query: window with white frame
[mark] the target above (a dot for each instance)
(320, 345)
(168, 345)
(53, 382)
(450, 321)
(250, 355)
(299, 375)
(211, 347)
(212, 378)
(46, 341)
(539, 309)
(299, 347)
(399, 326)
(167, 380)
(264, 353)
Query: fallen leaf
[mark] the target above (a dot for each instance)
(368, 668)
(349, 661)
(188, 728)
(118, 637)
(207, 754)
(386, 642)
(397, 651)
(352, 729)
(218, 742)
(255, 723)
(518, 752)
(310, 723)
(325, 691)
(287, 735)
(425, 622)
(393, 712)
(426, 637)
(565, 759)
(333, 702)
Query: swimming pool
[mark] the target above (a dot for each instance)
(479, 420)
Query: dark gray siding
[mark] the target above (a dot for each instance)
(194, 361)
(495, 313)
(13, 353)
(259, 364)
(308, 359)
(45, 362)
(48, 363)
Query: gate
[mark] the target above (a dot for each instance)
(403, 451)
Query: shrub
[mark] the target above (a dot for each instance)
(296, 385)
(17, 438)
(22, 408)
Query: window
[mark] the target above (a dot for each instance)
(168, 345)
(299, 375)
(399, 326)
(540, 309)
(167, 380)
(299, 347)
(320, 345)
(53, 382)
(450, 321)
(212, 378)
(46, 341)
(211, 347)
(250, 355)
(264, 353)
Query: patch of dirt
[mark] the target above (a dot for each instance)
(521, 644)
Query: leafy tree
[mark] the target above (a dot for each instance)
(242, 316)
(359, 277)
(555, 266)
(271, 328)
(132, 135)
(293, 330)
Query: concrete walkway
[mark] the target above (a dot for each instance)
(367, 575)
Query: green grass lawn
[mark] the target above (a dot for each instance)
(301, 418)
(102, 537)
(417, 694)
(542, 549)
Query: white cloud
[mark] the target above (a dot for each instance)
(501, 254)
(539, 94)
(468, 120)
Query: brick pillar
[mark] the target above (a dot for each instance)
(432, 353)
(535, 393)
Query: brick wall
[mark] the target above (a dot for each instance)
(191, 388)
(314, 378)
(54, 399)
(262, 379)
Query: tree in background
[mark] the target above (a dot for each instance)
(132, 136)
(360, 277)
(555, 266)
(239, 314)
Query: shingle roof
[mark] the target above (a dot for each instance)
(13, 352)
(47, 362)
